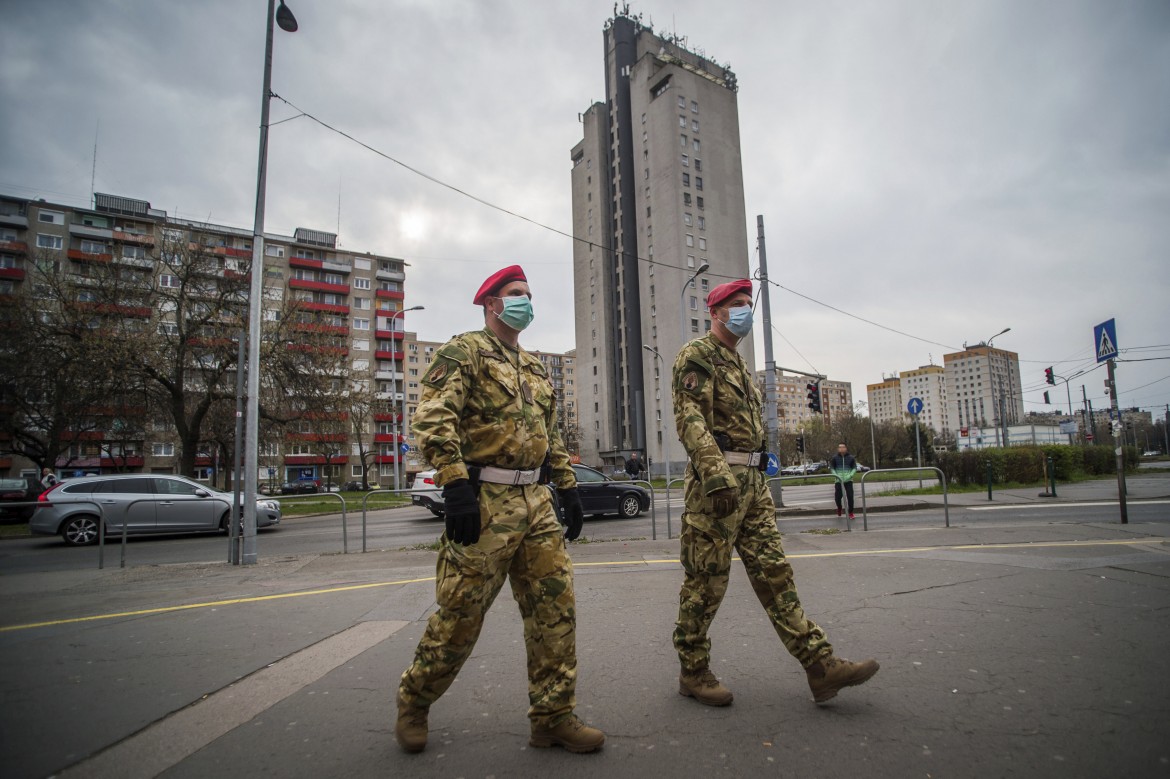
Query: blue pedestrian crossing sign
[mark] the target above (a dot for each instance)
(915, 406)
(1105, 340)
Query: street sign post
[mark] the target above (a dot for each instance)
(1105, 346)
(915, 406)
(1105, 340)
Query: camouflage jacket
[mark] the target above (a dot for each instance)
(484, 403)
(714, 394)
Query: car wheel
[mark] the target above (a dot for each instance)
(80, 531)
(437, 512)
(629, 506)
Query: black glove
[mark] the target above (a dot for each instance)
(724, 502)
(461, 510)
(574, 514)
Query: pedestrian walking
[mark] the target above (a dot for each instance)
(718, 410)
(844, 466)
(634, 466)
(486, 423)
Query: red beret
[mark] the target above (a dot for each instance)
(497, 280)
(724, 291)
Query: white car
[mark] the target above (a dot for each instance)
(424, 492)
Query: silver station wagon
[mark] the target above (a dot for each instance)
(146, 503)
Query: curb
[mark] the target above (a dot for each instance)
(832, 512)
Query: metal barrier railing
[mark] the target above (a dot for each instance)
(781, 479)
(344, 527)
(365, 501)
(653, 508)
(942, 478)
(668, 483)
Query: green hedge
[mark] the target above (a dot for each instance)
(1025, 464)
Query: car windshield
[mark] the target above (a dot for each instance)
(12, 484)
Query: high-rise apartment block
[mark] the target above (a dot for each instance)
(888, 399)
(792, 409)
(976, 388)
(983, 387)
(342, 303)
(657, 187)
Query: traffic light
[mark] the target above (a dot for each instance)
(1049, 376)
(814, 397)
(1047, 402)
(800, 444)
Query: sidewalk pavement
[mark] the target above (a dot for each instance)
(1035, 649)
(1138, 486)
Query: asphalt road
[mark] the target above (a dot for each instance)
(407, 527)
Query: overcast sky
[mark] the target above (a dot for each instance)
(944, 169)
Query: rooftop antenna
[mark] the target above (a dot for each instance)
(93, 170)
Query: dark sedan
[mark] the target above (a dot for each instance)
(298, 488)
(21, 489)
(603, 495)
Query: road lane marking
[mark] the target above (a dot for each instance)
(1064, 505)
(211, 604)
(607, 563)
(177, 736)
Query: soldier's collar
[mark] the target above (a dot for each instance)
(720, 345)
(503, 346)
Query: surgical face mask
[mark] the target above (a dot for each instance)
(517, 313)
(739, 321)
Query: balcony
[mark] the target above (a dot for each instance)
(310, 327)
(13, 274)
(337, 267)
(388, 438)
(319, 349)
(135, 262)
(390, 275)
(391, 294)
(384, 355)
(387, 417)
(16, 247)
(14, 220)
(386, 459)
(389, 334)
(319, 286)
(91, 232)
(80, 256)
(388, 375)
(305, 262)
(394, 396)
(328, 308)
(142, 239)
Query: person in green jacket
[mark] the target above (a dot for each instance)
(843, 465)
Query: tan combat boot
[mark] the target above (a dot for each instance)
(830, 674)
(572, 734)
(411, 728)
(704, 687)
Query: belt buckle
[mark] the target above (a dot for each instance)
(516, 478)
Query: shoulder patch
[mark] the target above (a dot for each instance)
(690, 381)
(440, 371)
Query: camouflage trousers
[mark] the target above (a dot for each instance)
(521, 540)
(707, 544)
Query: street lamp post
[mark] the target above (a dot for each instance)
(284, 17)
(663, 451)
(998, 398)
(682, 300)
(394, 391)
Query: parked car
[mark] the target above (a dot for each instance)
(22, 489)
(424, 492)
(792, 470)
(602, 495)
(299, 488)
(144, 503)
(356, 486)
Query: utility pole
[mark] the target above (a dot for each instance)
(1086, 416)
(1118, 443)
(771, 398)
(1166, 430)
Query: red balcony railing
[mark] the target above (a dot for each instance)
(305, 262)
(16, 247)
(392, 294)
(15, 274)
(76, 254)
(383, 355)
(389, 334)
(319, 286)
(329, 308)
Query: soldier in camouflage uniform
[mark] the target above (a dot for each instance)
(487, 424)
(718, 410)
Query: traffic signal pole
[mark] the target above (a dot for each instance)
(1118, 442)
(771, 395)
